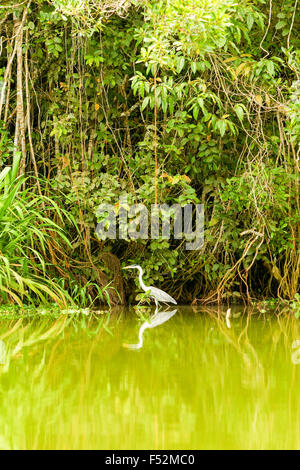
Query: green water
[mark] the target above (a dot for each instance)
(197, 382)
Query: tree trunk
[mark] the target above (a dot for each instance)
(20, 143)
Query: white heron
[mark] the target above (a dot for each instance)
(157, 319)
(157, 294)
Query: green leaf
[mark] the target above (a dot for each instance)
(180, 64)
(194, 67)
(239, 112)
(221, 124)
(250, 21)
(195, 112)
(270, 67)
(145, 102)
(280, 24)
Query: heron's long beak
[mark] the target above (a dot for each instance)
(128, 267)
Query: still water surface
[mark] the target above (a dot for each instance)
(72, 382)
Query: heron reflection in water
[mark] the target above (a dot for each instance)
(157, 319)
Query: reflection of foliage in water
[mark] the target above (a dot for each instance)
(194, 384)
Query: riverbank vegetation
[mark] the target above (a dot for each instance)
(168, 102)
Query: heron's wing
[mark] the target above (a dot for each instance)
(161, 295)
(160, 318)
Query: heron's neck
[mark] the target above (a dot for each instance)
(141, 332)
(143, 286)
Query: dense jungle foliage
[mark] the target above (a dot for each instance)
(170, 101)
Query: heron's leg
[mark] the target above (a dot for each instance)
(168, 305)
(156, 303)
